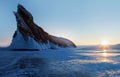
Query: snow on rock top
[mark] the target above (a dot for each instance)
(30, 36)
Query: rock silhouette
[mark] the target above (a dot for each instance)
(31, 36)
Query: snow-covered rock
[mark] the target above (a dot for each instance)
(30, 36)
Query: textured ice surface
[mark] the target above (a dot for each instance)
(60, 63)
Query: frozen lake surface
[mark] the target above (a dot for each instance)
(60, 63)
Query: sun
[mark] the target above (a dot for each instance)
(104, 42)
(105, 45)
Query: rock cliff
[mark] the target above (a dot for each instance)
(31, 36)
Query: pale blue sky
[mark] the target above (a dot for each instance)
(82, 21)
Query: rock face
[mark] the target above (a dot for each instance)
(30, 36)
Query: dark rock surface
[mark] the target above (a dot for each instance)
(27, 27)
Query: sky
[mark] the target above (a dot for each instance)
(85, 22)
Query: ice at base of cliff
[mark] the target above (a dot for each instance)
(20, 43)
(60, 63)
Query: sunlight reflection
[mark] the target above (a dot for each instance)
(104, 50)
(104, 54)
(104, 57)
(105, 60)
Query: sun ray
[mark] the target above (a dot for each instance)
(104, 45)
